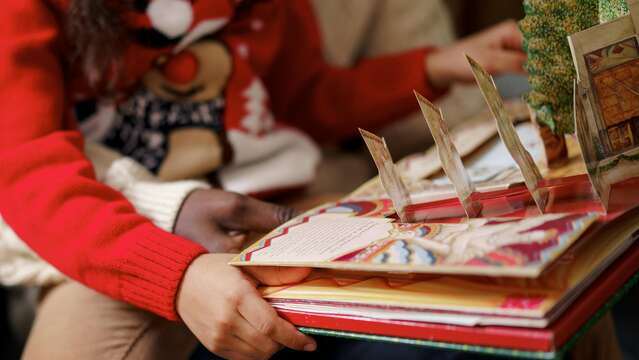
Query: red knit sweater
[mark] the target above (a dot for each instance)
(48, 191)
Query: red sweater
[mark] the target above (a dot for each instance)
(48, 191)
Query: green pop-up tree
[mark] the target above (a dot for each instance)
(551, 72)
(545, 28)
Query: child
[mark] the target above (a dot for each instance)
(143, 59)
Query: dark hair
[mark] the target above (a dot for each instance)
(97, 35)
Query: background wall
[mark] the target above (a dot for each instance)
(470, 16)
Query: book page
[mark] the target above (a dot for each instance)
(328, 239)
(324, 237)
(449, 157)
(509, 136)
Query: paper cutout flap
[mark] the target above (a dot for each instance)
(508, 134)
(390, 177)
(449, 156)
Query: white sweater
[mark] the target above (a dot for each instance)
(159, 201)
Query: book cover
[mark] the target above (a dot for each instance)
(550, 342)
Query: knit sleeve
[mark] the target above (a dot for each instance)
(48, 189)
(159, 201)
(329, 102)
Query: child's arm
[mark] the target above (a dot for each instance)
(49, 195)
(330, 103)
(159, 201)
(48, 190)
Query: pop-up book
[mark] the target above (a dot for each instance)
(492, 252)
(518, 231)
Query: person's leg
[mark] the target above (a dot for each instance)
(74, 322)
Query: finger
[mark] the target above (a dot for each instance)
(262, 343)
(504, 35)
(235, 233)
(514, 41)
(237, 242)
(274, 276)
(265, 320)
(236, 348)
(501, 62)
(510, 36)
(249, 214)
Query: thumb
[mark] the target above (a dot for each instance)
(270, 275)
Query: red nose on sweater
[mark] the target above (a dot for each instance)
(181, 68)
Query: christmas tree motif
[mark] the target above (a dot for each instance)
(551, 72)
(258, 117)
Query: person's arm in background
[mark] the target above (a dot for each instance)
(330, 103)
(50, 197)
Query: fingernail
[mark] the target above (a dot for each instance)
(310, 347)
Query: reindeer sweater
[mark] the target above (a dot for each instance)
(49, 193)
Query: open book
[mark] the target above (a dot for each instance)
(509, 249)
(365, 235)
(377, 235)
(463, 300)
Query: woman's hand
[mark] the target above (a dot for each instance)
(498, 49)
(220, 220)
(221, 306)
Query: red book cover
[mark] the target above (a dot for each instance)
(549, 339)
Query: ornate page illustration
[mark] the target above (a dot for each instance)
(338, 236)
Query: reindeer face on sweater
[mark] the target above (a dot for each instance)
(173, 125)
(196, 74)
(201, 105)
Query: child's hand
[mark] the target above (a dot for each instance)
(498, 49)
(219, 220)
(220, 305)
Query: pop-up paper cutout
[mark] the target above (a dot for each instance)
(449, 157)
(508, 134)
(391, 180)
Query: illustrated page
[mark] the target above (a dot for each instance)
(337, 236)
